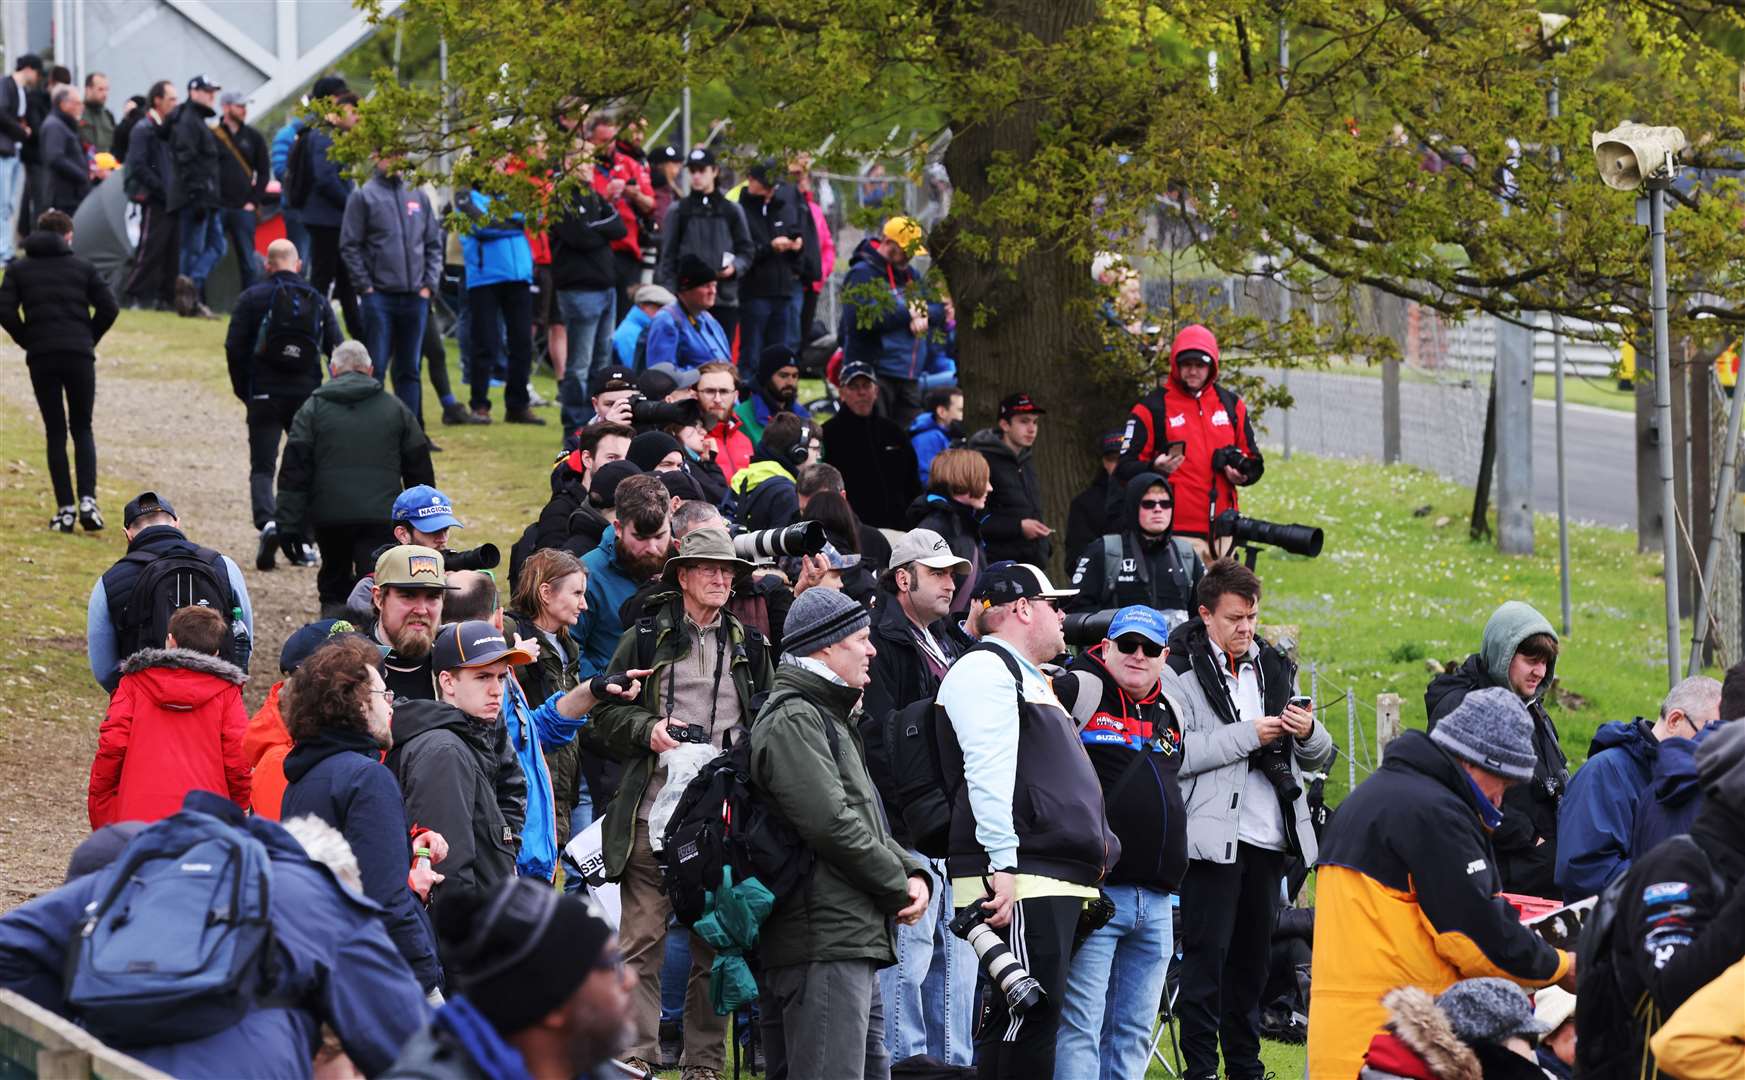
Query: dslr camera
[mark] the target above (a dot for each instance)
(1274, 761)
(1230, 457)
(687, 733)
(801, 538)
(653, 414)
(1003, 970)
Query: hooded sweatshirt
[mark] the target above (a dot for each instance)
(1207, 422)
(1156, 570)
(1526, 842)
(1670, 802)
(1017, 495)
(1598, 813)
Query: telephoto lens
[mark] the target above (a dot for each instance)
(1274, 762)
(1083, 629)
(802, 538)
(483, 557)
(1297, 539)
(1022, 991)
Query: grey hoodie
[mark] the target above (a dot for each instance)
(390, 239)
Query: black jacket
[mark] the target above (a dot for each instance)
(1674, 933)
(581, 244)
(53, 302)
(194, 149)
(450, 768)
(244, 166)
(149, 165)
(1089, 515)
(336, 776)
(12, 133)
(709, 227)
(1526, 841)
(249, 379)
(1156, 571)
(63, 155)
(877, 465)
(1136, 748)
(960, 527)
(899, 677)
(1017, 495)
(566, 522)
(773, 273)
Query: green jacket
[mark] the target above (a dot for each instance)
(353, 448)
(624, 727)
(861, 877)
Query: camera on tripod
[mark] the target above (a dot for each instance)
(1245, 532)
(1003, 970)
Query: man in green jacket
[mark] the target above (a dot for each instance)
(705, 668)
(353, 448)
(821, 952)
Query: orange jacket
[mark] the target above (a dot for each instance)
(266, 744)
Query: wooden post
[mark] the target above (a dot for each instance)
(1387, 722)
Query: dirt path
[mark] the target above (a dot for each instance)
(188, 442)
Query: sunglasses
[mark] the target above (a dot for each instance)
(1155, 504)
(1131, 643)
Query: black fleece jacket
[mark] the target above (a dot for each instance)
(53, 302)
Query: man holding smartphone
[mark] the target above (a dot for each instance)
(1196, 433)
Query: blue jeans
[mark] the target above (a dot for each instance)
(1114, 989)
(766, 321)
(297, 233)
(11, 192)
(202, 235)
(239, 227)
(394, 334)
(674, 970)
(929, 993)
(588, 320)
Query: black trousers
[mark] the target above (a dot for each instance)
(155, 261)
(327, 274)
(436, 357)
(808, 312)
(347, 554)
(268, 418)
(728, 317)
(508, 304)
(1227, 915)
(900, 400)
(1040, 937)
(66, 389)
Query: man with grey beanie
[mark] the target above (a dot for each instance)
(822, 1012)
(1408, 892)
(1679, 920)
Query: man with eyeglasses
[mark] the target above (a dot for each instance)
(1133, 737)
(1244, 733)
(1029, 842)
(718, 395)
(1144, 562)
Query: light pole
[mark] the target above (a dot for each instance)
(1551, 39)
(1631, 157)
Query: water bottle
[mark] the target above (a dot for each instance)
(240, 645)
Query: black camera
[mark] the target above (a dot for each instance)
(483, 557)
(1003, 970)
(599, 684)
(1085, 628)
(687, 733)
(652, 414)
(801, 538)
(1274, 761)
(1228, 457)
(1296, 539)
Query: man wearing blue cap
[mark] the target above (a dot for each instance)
(422, 517)
(1131, 733)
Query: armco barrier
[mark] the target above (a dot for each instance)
(36, 1043)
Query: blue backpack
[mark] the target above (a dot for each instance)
(177, 943)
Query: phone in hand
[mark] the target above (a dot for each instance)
(1302, 702)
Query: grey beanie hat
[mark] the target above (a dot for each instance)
(1721, 765)
(1489, 1010)
(1490, 729)
(820, 618)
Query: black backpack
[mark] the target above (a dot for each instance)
(723, 821)
(1609, 1024)
(299, 171)
(181, 577)
(289, 337)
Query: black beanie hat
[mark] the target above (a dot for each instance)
(647, 449)
(773, 359)
(519, 950)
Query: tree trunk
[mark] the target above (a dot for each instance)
(1025, 327)
(1480, 526)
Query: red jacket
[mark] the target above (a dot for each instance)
(266, 743)
(635, 175)
(176, 723)
(1207, 421)
(733, 446)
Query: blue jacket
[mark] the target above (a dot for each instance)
(532, 732)
(1599, 808)
(495, 251)
(599, 629)
(334, 956)
(886, 343)
(677, 339)
(326, 206)
(929, 439)
(1673, 796)
(629, 331)
(941, 366)
(281, 148)
(338, 776)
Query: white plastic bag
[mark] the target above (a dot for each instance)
(682, 764)
(585, 850)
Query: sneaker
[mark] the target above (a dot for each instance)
(186, 297)
(456, 413)
(522, 416)
(266, 555)
(481, 414)
(204, 312)
(90, 518)
(638, 1067)
(63, 519)
(536, 401)
(311, 556)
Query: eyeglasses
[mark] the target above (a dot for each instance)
(1131, 643)
(1155, 504)
(387, 694)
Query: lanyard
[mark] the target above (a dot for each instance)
(715, 691)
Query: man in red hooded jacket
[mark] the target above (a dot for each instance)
(1179, 428)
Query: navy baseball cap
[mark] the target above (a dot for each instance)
(425, 509)
(1007, 581)
(1141, 620)
(201, 82)
(146, 502)
(307, 638)
(473, 644)
(855, 369)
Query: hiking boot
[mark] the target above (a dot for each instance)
(90, 518)
(186, 297)
(63, 519)
(638, 1067)
(522, 416)
(672, 1043)
(481, 414)
(266, 555)
(700, 1072)
(455, 413)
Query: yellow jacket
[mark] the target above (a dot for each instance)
(1705, 1038)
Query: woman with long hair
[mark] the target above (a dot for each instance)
(549, 598)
